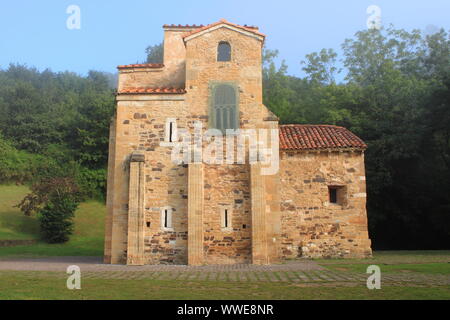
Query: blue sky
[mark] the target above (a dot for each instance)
(117, 32)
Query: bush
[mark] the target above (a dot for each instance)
(56, 218)
(92, 183)
(55, 201)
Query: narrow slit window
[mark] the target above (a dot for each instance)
(226, 218)
(166, 218)
(171, 130)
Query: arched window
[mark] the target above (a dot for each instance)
(224, 51)
(224, 111)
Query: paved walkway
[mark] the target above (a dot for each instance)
(96, 264)
(299, 271)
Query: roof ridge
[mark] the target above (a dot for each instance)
(311, 125)
(185, 26)
(252, 29)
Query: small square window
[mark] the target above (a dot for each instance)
(332, 192)
(337, 194)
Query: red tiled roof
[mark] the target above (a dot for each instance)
(186, 26)
(251, 29)
(141, 65)
(192, 26)
(310, 137)
(140, 90)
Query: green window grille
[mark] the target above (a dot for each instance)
(225, 108)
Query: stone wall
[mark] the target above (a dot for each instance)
(311, 225)
(290, 214)
(172, 74)
(244, 71)
(227, 187)
(140, 125)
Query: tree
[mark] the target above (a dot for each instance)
(374, 51)
(395, 97)
(55, 201)
(321, 67)
(276, 90)
(155, 53)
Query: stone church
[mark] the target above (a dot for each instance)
(161, 211)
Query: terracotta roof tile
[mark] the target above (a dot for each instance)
(192, 26)
(141, 65)
(310, 137)
(252, 29)
(142, 90)
(186, 26)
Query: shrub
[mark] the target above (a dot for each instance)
(55, 201)
(56, 218)
(92, 183)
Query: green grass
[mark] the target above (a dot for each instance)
(425, 262)
(13, 224)
(424, 268)
(20, 285)
(395, 257)
(87, 239)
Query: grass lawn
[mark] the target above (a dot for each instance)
(395, 257)
(87, 239)
(425, 262)
(425, 268)
(20, 285)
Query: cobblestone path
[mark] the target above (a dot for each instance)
(300, 271)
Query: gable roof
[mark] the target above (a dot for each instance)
(248, 30)
(317, 137)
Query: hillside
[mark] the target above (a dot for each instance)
(87, 239)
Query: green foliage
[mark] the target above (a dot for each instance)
(92, 182)
(321, 67)
(155, 53)
(55, 201)
(396, 97)
(16, 165)
(56, 219)
(55, 122)
(87, 238)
